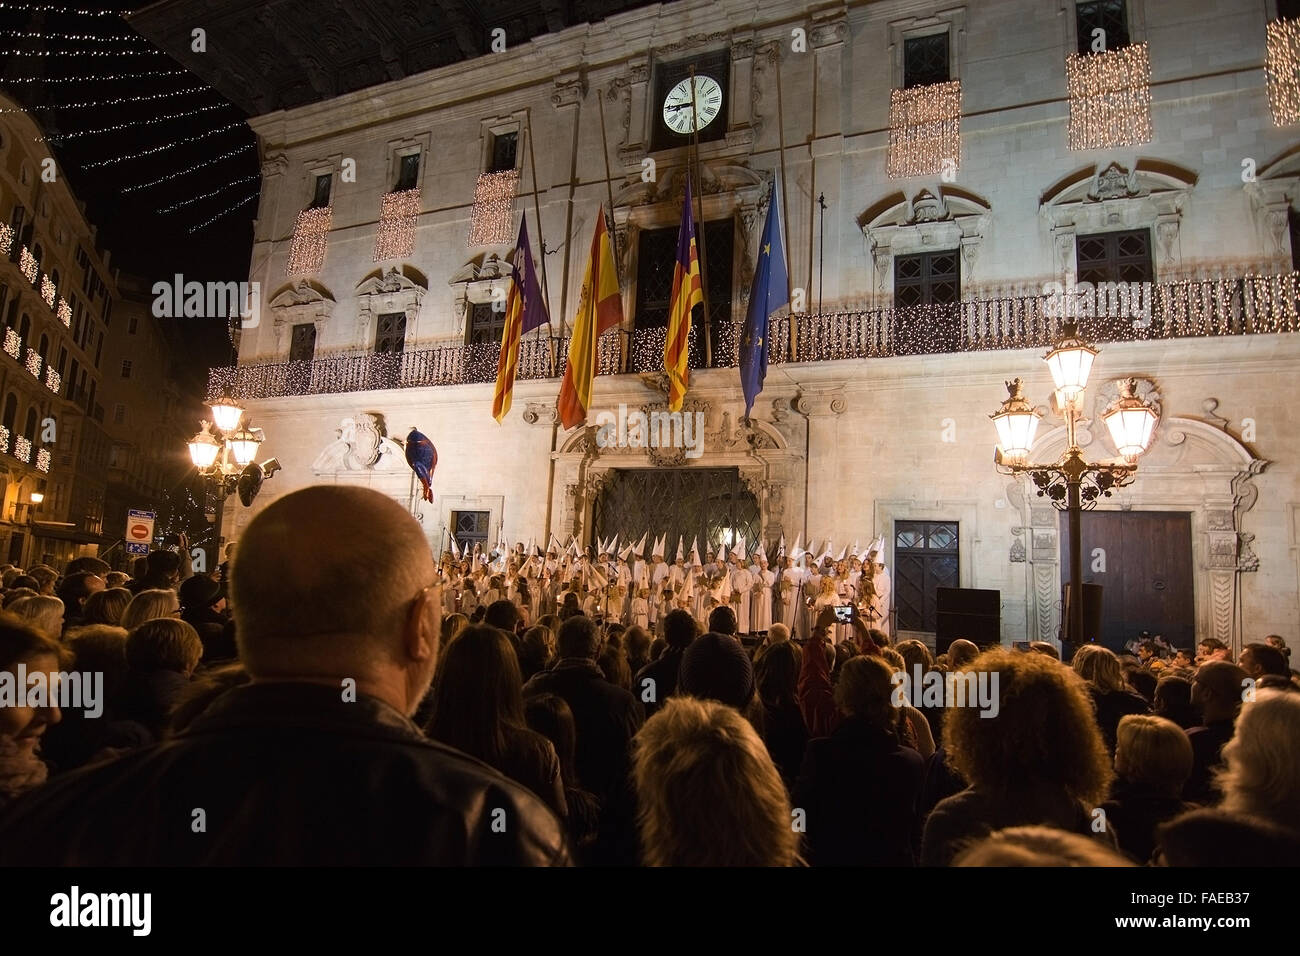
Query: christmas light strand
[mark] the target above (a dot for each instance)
(43, 460)
(143, 51)
(23, 448)
(395, 237)
(494, 200)
(78, 37)
(225, 212)
(310, 237)
(924, 130)
(27, 265)
(98, 78)
(155, 150)
(6, 238)
(1282, 69)
(208, 195)
(116, 101)
(1110, 98)
(70, 11)
(34, 363)
(149, 122)
(65, 313)
(13, 344)
(48, 292)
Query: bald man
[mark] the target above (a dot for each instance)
(315, 762)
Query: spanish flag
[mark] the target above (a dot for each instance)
(525, 311)
(687, 293)
(600, 308)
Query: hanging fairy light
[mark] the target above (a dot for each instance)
(27, 264)
(145, 122)
(6, 238)
(153, 150)
(1110, 98)
(13, 344)
(48, 291)
(65, 313)
(97, 78)
(924, 130)
(53, 380)
(115, 101)
(208, 195)
(23, 449)
(43, 460)
(310, 235)
(1282, 69)
(221, 215)
(71, 11)
(4, 439)
(395, 237)
(34, 362)
(494, 200)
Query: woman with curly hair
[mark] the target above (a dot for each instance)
(1038, 759)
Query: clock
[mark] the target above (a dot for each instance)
(678, 115)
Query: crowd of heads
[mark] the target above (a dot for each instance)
(682, 744)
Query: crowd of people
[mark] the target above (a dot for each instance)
(350, 706)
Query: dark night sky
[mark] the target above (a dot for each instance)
(142, 240)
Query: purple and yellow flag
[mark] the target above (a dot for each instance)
(525, 311)
(600, 308)
(687, 293)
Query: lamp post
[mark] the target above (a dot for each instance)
(1071, 483)
(223, 452)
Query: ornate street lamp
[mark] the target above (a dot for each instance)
(225, 457)
(1071, 483)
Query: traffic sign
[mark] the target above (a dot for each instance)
(139, 531)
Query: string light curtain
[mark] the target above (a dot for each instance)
(27, 264)
(4, 439)
(43, 460)
(22, 448)
(34, 363)
(494, 202)
(53, 380)
(398, 212)
(1282, 68)
(65, 313)
(310, 236)
(1110, 98)
(6, 238)
(13, 344)
(924, 129)
(48, 291)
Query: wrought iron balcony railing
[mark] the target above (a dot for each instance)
(1247, 305)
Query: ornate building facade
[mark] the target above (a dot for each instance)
(923, 239)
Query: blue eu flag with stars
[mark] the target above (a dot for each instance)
(769, 293)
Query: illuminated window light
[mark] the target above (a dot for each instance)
(27, 263)
(494, 201)
(310, 235)
(1282, 69)
(1110, 98)
(395, 238)
(924, 130)
(65, 313)
(43, 460)
(34, 362)
(22, 449)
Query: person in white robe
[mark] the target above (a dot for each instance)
(742, 583)
(788, 588)
(760, 607)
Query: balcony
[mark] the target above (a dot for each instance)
(1246, 305)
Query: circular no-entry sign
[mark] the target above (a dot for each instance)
(139, 531)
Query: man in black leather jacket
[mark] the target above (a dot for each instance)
(315, 762)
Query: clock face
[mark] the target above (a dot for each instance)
(678, 115)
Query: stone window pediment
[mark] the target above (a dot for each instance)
(387, 291)
(303, 302)
(476, 282)
(947, 217)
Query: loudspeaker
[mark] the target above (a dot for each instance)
(1091, 614)
(974, 614)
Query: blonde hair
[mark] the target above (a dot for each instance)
(1261, 774)
(1154, 751)
(999, 753)
(106, 607)
(865, 689)
(1039, 846)
(164, 643)
(708, 793)
(42, 612)
(1099, 667)
(148, 605)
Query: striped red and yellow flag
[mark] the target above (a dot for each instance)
(600, 308)
(687, 293)
(525, 311)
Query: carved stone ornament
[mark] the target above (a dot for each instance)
(535, 412)
(1114, 182)
(362, 444)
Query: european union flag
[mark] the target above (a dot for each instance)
(769, 292)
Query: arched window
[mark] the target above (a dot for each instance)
(11, 412)
(54, 277)
(24, 327)
(29, 430)
(36, 254)
(44, 350)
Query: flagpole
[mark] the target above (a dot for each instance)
(785, 203)
(541, 239)
(699, 228)
(609, 192)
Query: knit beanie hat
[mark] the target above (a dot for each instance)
(717, 667)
